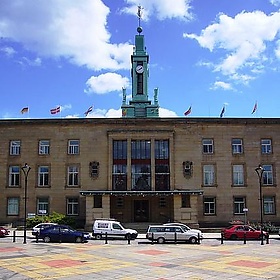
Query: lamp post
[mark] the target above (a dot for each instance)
(26, 168)
(259, 170)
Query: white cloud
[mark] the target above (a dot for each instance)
(8, 51)
(105, 83)
(166, 113)
(275, 2)
(245, 39)
(277, 50)
(76, 30)
(222, 85)
(162, 9)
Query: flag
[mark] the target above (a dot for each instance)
(188, 111)
(55, 110)
(222, 112)
(88, 110)
(255, 108)
(24, 110)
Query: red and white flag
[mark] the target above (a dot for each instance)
(89, 110)
(255, 108)
(55, 110)
(188, 111)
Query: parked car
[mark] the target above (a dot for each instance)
(62, 233)
(40, 226)
(234, 232)
(112, 228)
(163, 233)
(186, 228)
(4, 232)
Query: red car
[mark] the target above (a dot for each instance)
(3, 232)
(234, 232)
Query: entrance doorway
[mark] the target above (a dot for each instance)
(141, 210)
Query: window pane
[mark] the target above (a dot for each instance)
(13, 206)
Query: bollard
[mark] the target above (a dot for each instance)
(198, 240)
(267, 239)
(14, 236)
(106, 238)
(152, 238)
(175, 236)
(262, 239)
(59, 232)
(37, 237)
(222, 238)
(244, 238)
(128, 239)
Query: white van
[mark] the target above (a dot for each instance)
(113, 228)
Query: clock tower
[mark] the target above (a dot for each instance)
(140, 106)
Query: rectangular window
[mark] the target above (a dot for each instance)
(162, 202)
(97, 201)
(43, 176)
(119, 177)
(266, 146)
(14, 175)
(208, 175)
(209, 205)
(120, 202)
(267, 175)
(15, 147)
(237, 146)
(186, 201)
(42, 206)
(269, 205)
(238, 175)
(208, 146)
(13, 206)
(72, 206)
(44, 147)
(141, 165)
(239, 205)
(73, 147)
(73, 176)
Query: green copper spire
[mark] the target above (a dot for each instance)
(140, 106)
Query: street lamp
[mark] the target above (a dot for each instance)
(26, 168)
(259, 171)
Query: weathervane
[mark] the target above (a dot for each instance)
(139, 15)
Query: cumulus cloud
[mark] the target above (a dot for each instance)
(245, 39)
(222, 85)
(105, 83)
(275, 2)
(161, 9)
(76, 30)
(8, 51)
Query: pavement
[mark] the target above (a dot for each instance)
(120, 259)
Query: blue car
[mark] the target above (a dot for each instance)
(62, 233)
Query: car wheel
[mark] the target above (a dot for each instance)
(233, 237)
(160, 240)
(47, 239)
(79, 239)
(98, 236)
(128, 236)
(193, 240)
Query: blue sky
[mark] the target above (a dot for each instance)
(203, 53)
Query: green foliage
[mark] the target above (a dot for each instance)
(52, 218)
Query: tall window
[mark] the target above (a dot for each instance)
(43, 176)
(209, 205)
(14, 175)
(141, 164)
(119, 176)
(238, 175)
(208, 146)
(15, 148)
(208, 175)
(266, 146)
(186, 201)
(44, 147)
(162, 165)
(269, 205)
(73, 176)
(73, 147)
(239, 205)
(72, 206)
(43, 206)
(13, 206)
(267, 175)
(237, 146)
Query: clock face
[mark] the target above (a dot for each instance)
(139, 69)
